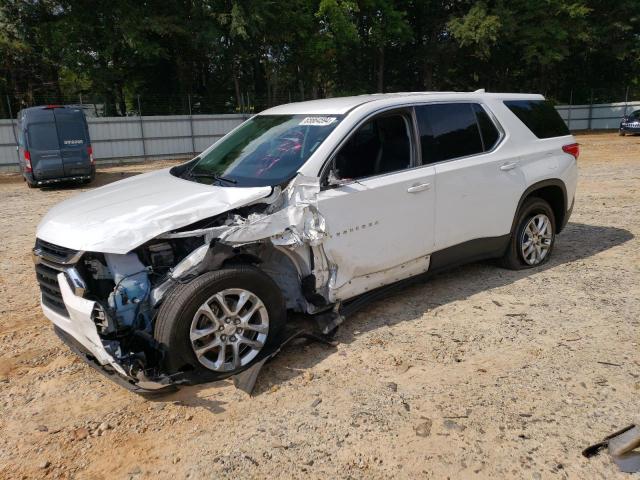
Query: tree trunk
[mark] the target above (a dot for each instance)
(381, 69)
(427, 75)
(123, 103)
(236, 85)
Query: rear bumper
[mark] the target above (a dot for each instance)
(52, 181)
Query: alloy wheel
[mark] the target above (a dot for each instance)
(229, 330)
(536, 239)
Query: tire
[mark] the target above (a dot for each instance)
(29, 184)
(182, 315)
(621, 133)
(515, 258)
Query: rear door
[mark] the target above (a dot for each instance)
(73, 139)
(42, 143)
(478, 183)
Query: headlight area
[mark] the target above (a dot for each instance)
(123, 289)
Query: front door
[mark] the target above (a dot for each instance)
(379, 208)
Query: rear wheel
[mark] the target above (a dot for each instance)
(532, 241)
(221, 322)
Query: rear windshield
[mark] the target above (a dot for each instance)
(539, 116)
(43, 136)
(71, 133)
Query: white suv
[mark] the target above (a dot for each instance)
(187, 273)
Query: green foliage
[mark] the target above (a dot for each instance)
(235, 54)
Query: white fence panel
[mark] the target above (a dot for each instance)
(600, 116)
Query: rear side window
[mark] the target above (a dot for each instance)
(490, 134)
(448, 130)
(71, 133)
(43, 136)
(539, 116)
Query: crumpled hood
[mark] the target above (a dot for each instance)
(123, 215)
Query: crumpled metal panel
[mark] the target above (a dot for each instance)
(80, 325)
(123, 215)
(294, 220)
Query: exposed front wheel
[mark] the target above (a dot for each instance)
(532, 241)
(621, 133)
(221, 322)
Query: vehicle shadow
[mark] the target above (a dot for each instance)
(577, 242)
(193, 396)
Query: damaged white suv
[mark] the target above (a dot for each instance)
(188, 273)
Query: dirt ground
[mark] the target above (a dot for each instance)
(477, 373)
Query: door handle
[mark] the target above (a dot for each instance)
(419, 187)
(508, 166)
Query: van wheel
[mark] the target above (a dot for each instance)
(621, 133)
(533, 239)
(220, 323)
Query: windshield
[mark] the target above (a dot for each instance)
(265, 150)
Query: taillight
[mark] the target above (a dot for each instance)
(27, 162)
(90, 152)
(572, 149)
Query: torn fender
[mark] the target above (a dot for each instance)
(292, 222)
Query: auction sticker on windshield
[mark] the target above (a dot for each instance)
(319, 121)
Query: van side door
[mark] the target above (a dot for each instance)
(479, 183)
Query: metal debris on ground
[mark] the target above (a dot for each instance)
(622, 447)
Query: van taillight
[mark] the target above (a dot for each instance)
(90, 152)
(572, 149)
(27, 162)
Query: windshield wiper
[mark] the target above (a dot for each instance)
(214, 176)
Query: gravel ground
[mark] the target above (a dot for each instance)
(479, 372)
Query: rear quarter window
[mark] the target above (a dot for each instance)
(539, 116)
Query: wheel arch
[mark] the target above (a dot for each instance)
(554, 192)
(281, 265)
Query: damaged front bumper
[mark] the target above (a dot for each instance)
(79, 332)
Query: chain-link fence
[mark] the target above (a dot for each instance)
(95, 105)
(135, 105)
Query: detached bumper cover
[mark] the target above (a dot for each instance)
(79, 332)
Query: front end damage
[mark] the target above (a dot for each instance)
(104, 304)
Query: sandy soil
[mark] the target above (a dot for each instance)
(479, 372)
